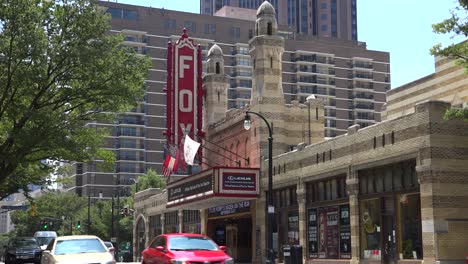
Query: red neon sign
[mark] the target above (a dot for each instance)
(184, 90)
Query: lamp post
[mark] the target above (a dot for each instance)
(270, 210)
(89, 214)
(136, 184)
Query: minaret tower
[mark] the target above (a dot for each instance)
(266, 50)
(215, 86)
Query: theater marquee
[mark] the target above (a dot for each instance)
(204, 190)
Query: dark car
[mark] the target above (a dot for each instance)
(184, 248)
(22, 250)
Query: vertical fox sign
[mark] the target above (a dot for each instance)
(184, 90)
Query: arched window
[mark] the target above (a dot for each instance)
(269, 29)
(218, 69)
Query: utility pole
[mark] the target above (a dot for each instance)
(89, 214)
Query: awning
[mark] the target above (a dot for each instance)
(214, 187)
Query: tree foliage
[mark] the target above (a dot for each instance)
(63, 211)
(59, 70)
(150, 180)
(59, 210)
(457, 25)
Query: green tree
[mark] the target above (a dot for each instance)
(59, 210)
(457, 25)
(150, 180)
(59, 69)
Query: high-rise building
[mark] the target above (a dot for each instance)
(350, 79)
(321, 18)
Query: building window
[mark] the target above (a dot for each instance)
(120, 13)
(324, 17)
(169, 24)
(235, 32)
(410, 239)
(323, 5)
(130, 14)
(370, 215)
(210, 29)
(324, 27)
(190, 26)
(329, 232)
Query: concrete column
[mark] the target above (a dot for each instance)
(163, 224)
(180, 215)
(261, 225)
(302, 203)
(428, 219)
(203, 221)
(148, 234)
(352, 184)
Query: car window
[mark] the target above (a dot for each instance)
(75, 246)
(159, 241)
(50, 246)
(108, 244)
(191, 243)
(24, 243)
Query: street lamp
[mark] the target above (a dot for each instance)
(136, 184)
(270, 208)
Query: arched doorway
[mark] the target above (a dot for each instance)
(140, 238)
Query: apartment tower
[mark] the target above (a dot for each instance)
(322, 18)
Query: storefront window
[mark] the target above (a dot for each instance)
(325, 232)
(370, 229)
(410, 223)
(293, 228)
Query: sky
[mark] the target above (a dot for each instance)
(400, 27)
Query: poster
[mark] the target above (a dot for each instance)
(293, 228)
(312, 235)
(322, 227)
(345, 232)
(332, 233)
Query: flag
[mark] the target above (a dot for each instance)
(181, 165)
(190, 149)
(170, 162)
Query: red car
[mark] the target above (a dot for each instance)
(183, 248)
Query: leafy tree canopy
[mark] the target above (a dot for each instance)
(457, 25)
(59, 69)
(150, 180)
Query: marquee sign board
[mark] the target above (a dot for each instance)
(204, 189)
(184, 90)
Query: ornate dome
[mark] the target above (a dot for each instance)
(266, 9)
(215, 50)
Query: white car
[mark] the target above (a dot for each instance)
(77, 250)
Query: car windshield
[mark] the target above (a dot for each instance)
(191, 243)
(25, 243)
(76, 246)
(44, 240)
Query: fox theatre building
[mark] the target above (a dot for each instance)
(393, 192)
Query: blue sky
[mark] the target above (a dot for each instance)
(401, 27)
